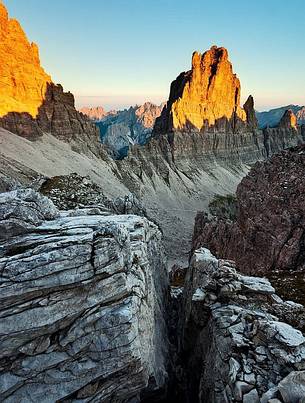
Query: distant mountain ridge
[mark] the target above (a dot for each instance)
(96, 113)
(272, 117)
(131, 126)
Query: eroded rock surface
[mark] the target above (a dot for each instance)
(83, 301)
(237, 343)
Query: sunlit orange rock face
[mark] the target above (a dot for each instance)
(204, 96)
(23, 82)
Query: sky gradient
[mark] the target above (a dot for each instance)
(121, 52)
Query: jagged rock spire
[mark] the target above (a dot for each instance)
(207, 95)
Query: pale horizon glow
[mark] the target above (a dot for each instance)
(125, 52)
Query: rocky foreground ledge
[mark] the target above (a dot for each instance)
(85, 316)
(237, 344)
(83, 304)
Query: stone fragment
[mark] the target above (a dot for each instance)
(251, 397)
(241, 388)
(292, 388)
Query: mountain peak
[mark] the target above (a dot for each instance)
(207, 95)
(24, 81)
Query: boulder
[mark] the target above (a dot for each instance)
(83, 305)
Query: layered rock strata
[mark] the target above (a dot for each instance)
(83, 301)
(237, 344)
(267, 233)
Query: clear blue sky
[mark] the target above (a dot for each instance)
(120, 52)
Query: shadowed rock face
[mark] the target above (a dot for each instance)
(23, 80)
(268, 233)
(207, 95)
(56, 115)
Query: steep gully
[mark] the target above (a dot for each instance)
(86, 315)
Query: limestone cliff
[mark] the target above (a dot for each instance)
(207, 95)
(23, 82)
(30, 103)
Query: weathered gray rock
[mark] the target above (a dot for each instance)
(78, 192)
(237, 345)
(22, 210)
(82, 305)
(292, 388)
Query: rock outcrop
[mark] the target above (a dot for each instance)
(268, 232)
(77, 192)
(207, 95)
(86, 316)
(83, 304)
(23, 82)
(237, 344)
